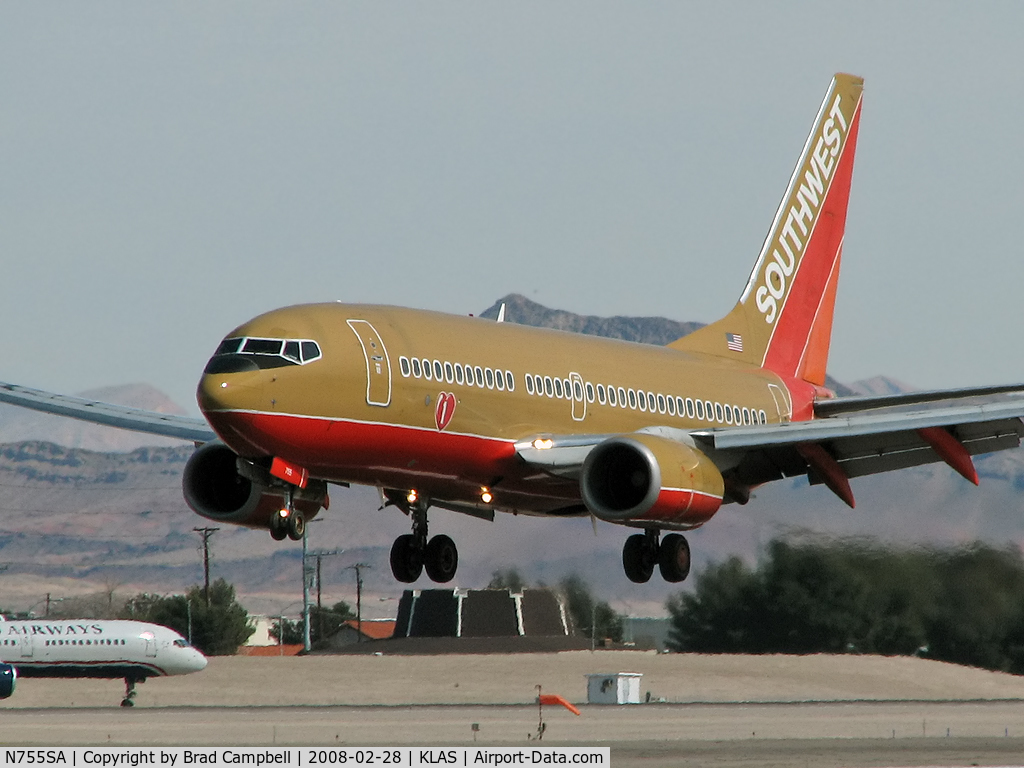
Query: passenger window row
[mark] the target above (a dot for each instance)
(85, 642)
(635, 399)
(457, 373)
(556, 387)
(569, 389)
(674, 405)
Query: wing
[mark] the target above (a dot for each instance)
(832, 450)
(96, 412)
(872, 436)
(836, 406)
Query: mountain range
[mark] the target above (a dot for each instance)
(88, 510)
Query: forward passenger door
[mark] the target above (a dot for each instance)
(378, 364)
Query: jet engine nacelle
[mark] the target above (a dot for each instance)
(8, 677)
(215, 489)
(651, 479)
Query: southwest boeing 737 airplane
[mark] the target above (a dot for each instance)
(133, 650)
(479, 417)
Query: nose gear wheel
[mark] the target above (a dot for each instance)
(288, 522)
(278, 527)
(296, 526)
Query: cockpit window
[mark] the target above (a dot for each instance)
(251, 353)
(181, 643)
(310, 351)
(228, 347)
(263, 346)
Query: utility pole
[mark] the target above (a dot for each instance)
(50, 601)
(319, 605)
(593, 624)
(305, 591)
(306, 645)
(359, 598)
(206, 533)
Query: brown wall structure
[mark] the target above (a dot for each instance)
(480, 613)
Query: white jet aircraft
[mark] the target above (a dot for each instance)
(133, 650)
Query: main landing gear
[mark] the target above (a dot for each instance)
(129, 690)
(413, 552)
(287, 521)
(643, 551)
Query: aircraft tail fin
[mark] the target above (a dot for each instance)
(783, 320)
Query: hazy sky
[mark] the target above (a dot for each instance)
(171, 169)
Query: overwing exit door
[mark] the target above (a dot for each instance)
(579, 397)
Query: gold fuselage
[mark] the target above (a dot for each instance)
(364, 413)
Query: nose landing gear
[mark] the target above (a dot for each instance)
(413, 552)
(129, 692)
(643, 551)
(287, 521)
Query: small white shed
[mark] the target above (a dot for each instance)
(614, 688)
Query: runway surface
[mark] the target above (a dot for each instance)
(822, 734)
(721, 711)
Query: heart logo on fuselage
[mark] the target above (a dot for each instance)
(445, 409)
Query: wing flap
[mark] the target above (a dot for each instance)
(872, 454)
(868, 443)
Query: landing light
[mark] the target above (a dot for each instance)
(284, 512)
(543, 444)
(485, 496)
(412, 497)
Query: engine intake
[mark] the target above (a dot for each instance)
(645, 478)
(215, 489)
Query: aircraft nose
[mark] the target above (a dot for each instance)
(197, 662)
(230, 391)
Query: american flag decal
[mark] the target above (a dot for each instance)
(734, 342)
